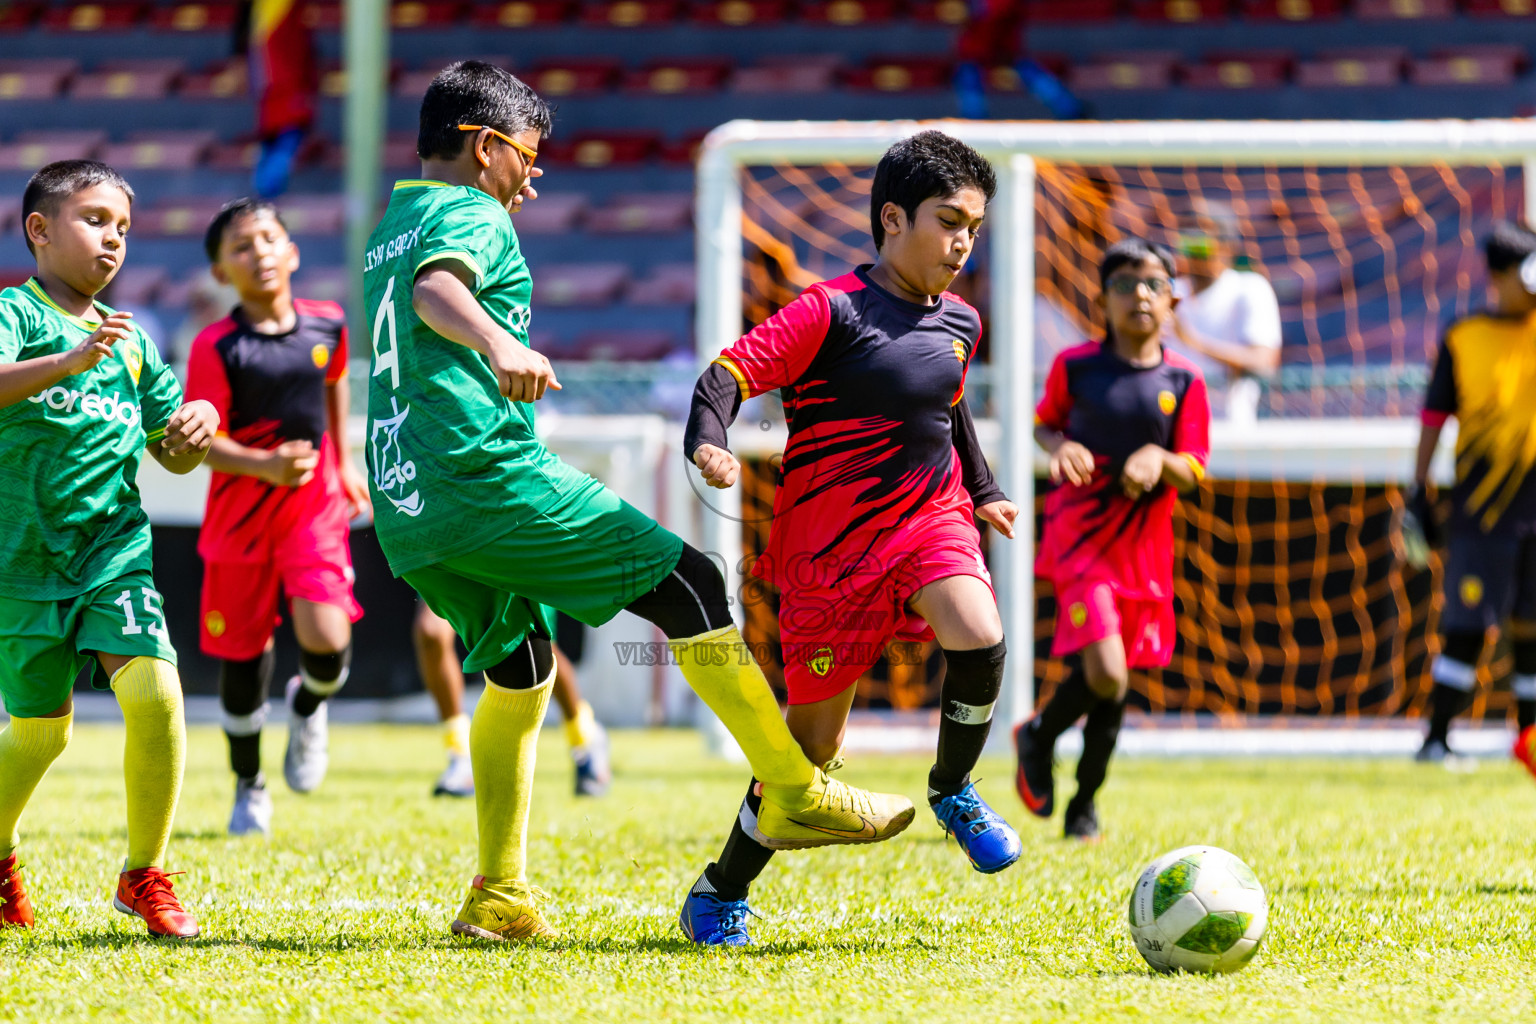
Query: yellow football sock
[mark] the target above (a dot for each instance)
(503, 739)
(578, 728)
(154, 756)
(27, 747)
(726, 677)
(456, 734)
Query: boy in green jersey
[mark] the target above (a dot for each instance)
(495, 532)
(83, 392)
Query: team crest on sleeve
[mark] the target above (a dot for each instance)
(1167, 402)
(820, 662)
(1471, 591)
(321, 355)
(959, 349)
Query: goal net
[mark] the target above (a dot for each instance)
(1291, 595)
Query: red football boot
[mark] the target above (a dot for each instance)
(1033, 777)
(15, 908)
(1525, 748)
(146, 893)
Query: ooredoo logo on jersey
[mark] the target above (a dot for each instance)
(107, 407)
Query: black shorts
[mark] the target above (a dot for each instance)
(1488, 581)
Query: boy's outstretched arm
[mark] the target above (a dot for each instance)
(445, 303)
(716, 401)
(22, 380)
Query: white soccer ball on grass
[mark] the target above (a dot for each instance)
(1198, 908)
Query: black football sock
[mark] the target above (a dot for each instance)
(1455, 674)
(742, 860)
(1446, 703)
(972, 681)
(321, 675)
(1524, 683)
(1100, 734)
(1070, 701)
(243, 689)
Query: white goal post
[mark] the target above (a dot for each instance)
(1372, 450)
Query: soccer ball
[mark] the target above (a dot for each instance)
(1198, 909)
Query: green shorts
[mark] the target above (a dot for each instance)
(589, 557)
(45, 644)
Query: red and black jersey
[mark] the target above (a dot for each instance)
(1113, 407)
(873, 388)
(268, 389)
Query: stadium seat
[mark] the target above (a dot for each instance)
(171, 151)
(738, 13)
(128, 80)
(10, 214)
(17, 17)
(1499, 8)
(574, 77)
(643, 213)
(333, 79)
(848, 13)
(673, 77)
(194, 17)
(1252, 69)
(323, 15)
(580, 284)
(31, 150)
(1493, 65)
(1073, 10)
(1151, 69)
(314, 214)
(942, 12)
(901, 74)
(554, 213)
(97, 17)
(221, 80)
(409, 14)
(186, 218)
(684, 151)
(626, 346)
(1291, 10)
(519, 13)
(809, 74)
(668, 284)
(594, 150)
(1179, 11)
(400, 152)
(40, 79)
(629, 13)
(413, 84)
(1404, 10)
(1371, 66)
(136, 285)
(10, 277)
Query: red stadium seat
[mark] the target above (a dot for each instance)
(1404, 10)
(673, 77)
(519, 13)
(35, 79)
(684, 151)
(626, 346)
(1072, 10)
(409, 14)
(17, 17)
(788, 74)
(313, 215)
(643, 213)
(738, 13)
(413, 84)
(848, 12)
(93, 17)
(128, 80)
(234, 155)
(554, 213)
(580, 284)
(1255, 69)
(1290, 10)
(221, 80)
(574, 77)
(603, 150)
(943, 12)
(1152, 69)
(136, 285)
(333, 79)
(323, 15)
(31, 150)
(1466, 66)
(902, 74)
(629, 13)
(173, 150)
(1499, 8)
(11, 277)
(400, 152)
(213, 16)
(668, 284)
(184, 219)
(1179, 11)
(1375, 66)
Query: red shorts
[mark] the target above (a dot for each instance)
(833, 634)
(1091, 610)
(240, 599)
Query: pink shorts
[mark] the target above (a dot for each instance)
(834, 634)
(240, 599)
(1091, 610)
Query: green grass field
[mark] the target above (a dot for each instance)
(1398, 893)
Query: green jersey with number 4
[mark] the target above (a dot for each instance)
(70, 515)
(451, 462)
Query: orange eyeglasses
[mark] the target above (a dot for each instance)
(529, 155)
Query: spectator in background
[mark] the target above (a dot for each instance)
(993, 36)
(1230, 320)
(285, 81)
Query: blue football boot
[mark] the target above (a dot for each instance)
(709, 920)
(988, 840)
